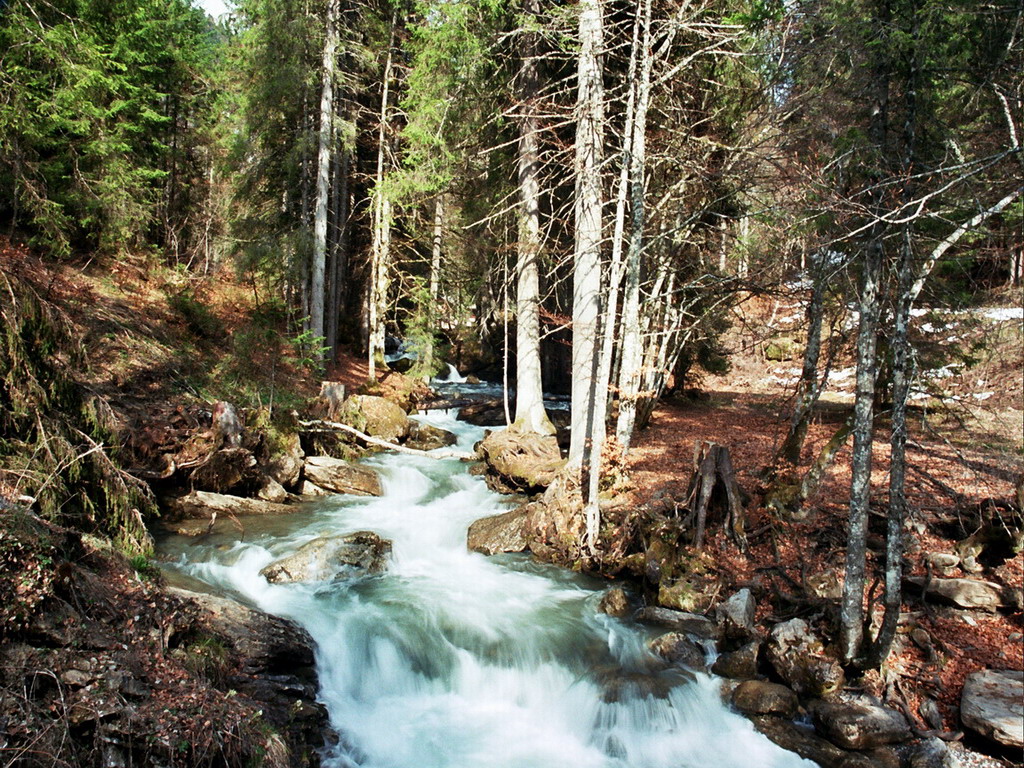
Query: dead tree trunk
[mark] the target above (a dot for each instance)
(713, 469)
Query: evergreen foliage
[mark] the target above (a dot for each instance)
(94, 96)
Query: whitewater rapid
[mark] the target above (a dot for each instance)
(455, 660)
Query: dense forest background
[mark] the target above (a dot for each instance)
(570, 197)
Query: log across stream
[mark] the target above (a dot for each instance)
(451, 659)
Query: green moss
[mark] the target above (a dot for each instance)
(57, 445)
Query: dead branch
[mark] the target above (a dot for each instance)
(319, 425)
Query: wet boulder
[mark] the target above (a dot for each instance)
(339, 476)
(520, 462)
(615, 602)
(799, 658)
(992, 704)
(681, 621)
(285, 463)
(859, 723)
(427, 437)
(677, 648)
(759, 697)
(735, 617)
(354, 554)
(204, 504)
(498, 533)
(376, 416)
(740, 664)
(802, 740)
(270, 660)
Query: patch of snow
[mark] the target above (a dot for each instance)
(1003, 313)
(982, 395)
(942, 373)
(841, 375)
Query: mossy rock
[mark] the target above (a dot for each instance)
(376, 416)
(782, 349)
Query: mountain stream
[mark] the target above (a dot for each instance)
(456, 660)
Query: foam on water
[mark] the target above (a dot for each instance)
(455, 660)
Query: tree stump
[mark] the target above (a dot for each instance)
(333, 395)
(712, 468)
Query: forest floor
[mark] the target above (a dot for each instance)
(964, 451)
(163, 344)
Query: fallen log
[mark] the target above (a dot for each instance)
(320, 425)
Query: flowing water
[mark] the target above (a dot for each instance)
(455, 660)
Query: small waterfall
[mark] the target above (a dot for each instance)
(455, 660)
(451, 376)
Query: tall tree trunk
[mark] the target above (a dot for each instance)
(632, 347)
(808, 388)
(851, 630)
(900, 346)
(434, 285)
(586, 433)
(338, 244)
(530, 413)
(380, 253)
(323, 175)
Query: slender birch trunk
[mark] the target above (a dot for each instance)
(632, 347)
(436, 240)
(323, 173)
(530, 413)
(380, 251)
(851, 631)
(808, 388)
(900, 346)
(587, 434)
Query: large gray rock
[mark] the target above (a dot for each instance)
(285, 464)
(735, 616)
(354, 554)
(932, 753)
(681, 621)
(796, 738)
(520, 461)
(859, 723)
(677, 648)
(427, 437)
(204, 503)
(341, 477)
(965, 593)
(271, 661)
(740, 664)
(615, 602)
(799, 658)
(376, 416)
(992, 703)
(271, 490)
(758, 697)
(498, 533)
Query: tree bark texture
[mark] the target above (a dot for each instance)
(380, 254)
(323, 173)
(632, 348)
(586, 433)
(851, 630)
(530, 413)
